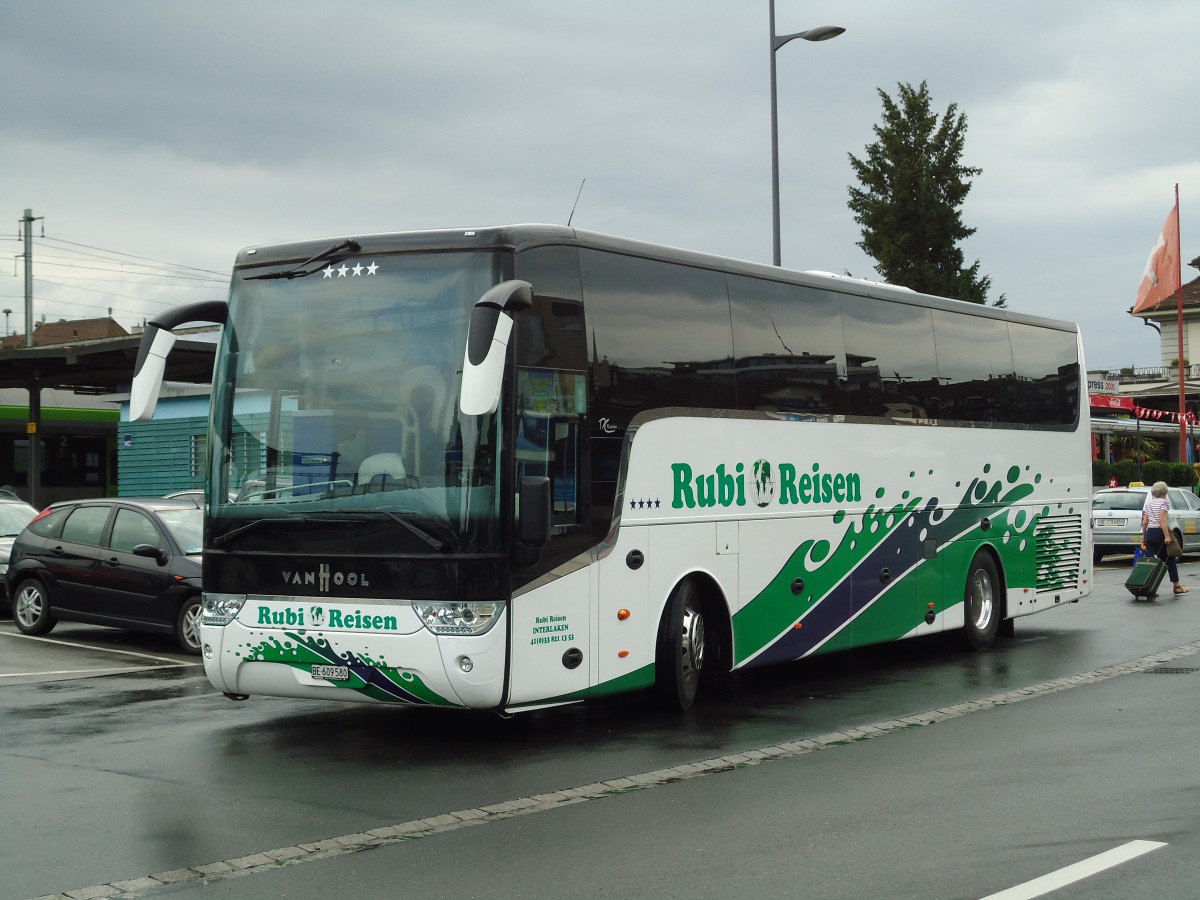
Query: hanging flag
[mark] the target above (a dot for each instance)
(1161, 278)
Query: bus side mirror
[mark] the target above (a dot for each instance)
(148, 373)
(487, 345)
(533, 529)
(157, 341)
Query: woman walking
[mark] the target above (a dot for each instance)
(1156, 532)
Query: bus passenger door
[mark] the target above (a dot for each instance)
(551, 658)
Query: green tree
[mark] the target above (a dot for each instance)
(913, 185)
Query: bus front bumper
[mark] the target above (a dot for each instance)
(417, 669)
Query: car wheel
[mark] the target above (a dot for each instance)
(982, 604)
(681, 645)
(187, 625)
(31, 608)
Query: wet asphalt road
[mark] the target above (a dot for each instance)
(118, 762)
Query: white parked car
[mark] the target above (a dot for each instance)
(1117, 519)
(15, 514)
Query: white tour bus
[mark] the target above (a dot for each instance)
(513, 467)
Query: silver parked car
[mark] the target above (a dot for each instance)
(15, 514)
(1117, 519)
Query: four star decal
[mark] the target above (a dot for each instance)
(354, 271)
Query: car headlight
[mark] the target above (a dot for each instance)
(221, 609)
(465, 617)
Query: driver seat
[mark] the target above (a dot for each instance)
(380, 468)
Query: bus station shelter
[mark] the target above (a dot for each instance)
(96, 366)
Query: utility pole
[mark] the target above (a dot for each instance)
(34, 467)
(27, 222)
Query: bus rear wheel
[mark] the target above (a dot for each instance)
(682, 640)
(982, 604)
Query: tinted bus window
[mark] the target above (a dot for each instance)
(661, 335)
(1047, 369)
(551, 334)
(975, 369)
(891, 366)
(791, 354)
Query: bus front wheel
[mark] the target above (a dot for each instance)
(681, 645)
(982, 604)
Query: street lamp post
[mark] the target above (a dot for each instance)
(820, 33)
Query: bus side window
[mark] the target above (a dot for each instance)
(550, 406)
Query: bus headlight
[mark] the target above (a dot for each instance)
(465, 617)
(221, 609)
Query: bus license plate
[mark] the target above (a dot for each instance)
(331, 673)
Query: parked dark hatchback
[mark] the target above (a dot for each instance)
(119, 562)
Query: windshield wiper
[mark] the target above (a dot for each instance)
(420, 532)
(299, 271)
(255, 523)
(342, 516)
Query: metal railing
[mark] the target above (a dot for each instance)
(1141, 374)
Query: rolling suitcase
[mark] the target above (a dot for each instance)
(1146, 576)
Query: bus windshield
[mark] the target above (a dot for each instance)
(335, 399)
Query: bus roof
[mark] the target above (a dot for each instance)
(524, 237)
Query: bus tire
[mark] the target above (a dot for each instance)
(31, 608)
(682, 637)
(187, 625)
(982, 605)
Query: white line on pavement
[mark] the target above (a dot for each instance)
(83, 671)
(1077, 872)
(62, 643)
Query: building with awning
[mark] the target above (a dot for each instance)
(88, 369)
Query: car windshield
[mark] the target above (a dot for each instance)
(1120, 500)
(14, 517)
(186, 526)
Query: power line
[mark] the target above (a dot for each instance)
(52, 261)
(91, 270)
(132, 256)
(78, 287)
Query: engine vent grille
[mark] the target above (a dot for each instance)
(1059, 542)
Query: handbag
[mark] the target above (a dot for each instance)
(1174, 550)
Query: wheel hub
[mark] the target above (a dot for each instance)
(693, 641)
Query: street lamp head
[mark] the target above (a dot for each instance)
(821, 33)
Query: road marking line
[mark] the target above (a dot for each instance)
(1077, 872)
(61, 643)
(84, 671)
(270, 860)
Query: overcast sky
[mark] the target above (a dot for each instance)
(182, 132)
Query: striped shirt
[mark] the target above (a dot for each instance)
(1155, 510)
